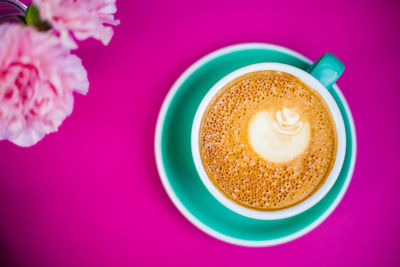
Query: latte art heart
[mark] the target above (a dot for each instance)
(287, 122)
(278, 137)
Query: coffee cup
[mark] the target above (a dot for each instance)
(320, 77)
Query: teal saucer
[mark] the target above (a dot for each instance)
(178, 173)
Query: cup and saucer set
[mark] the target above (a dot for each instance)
(179, 162)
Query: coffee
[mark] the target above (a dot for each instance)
(267, 140)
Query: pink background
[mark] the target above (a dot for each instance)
(90, 194)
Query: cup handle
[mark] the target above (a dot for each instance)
(327, 69)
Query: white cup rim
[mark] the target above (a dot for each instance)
(340, 153)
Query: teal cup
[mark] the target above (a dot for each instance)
(321, 75)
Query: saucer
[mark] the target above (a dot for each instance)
(178, 173)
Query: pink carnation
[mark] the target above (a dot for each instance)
(83, 18)
(37, 78)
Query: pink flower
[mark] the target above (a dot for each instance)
(37, 78)
(82, 18)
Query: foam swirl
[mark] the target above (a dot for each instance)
(278, 137)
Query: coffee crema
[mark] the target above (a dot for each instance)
(267, 140)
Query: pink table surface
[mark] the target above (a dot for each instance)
(90, 195)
